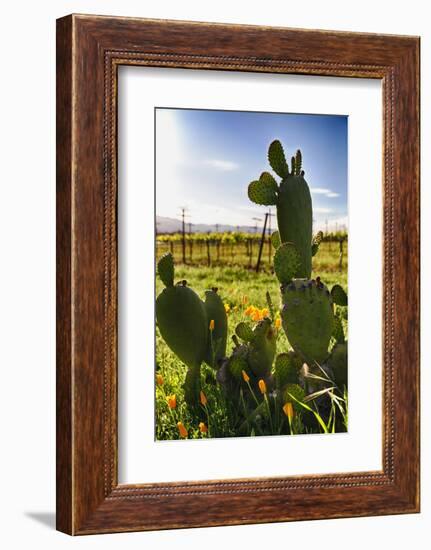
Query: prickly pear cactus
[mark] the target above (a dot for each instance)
(338, 333)
(287, 261)
(244, 331)
(339, 295)
(308, 318)
(217, 333)
(338, 363)
(286, 369)
(262, 348)
(293, 201)
(182, 321)
(165, 269)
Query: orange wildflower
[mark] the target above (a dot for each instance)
(262, 386)
(203, 398)
(249, 310)
(159, 379)
(182, 429)
(278, 323)
(256, 315)
(288, 410)
(245, 376)
(212, 325)
(203, 428)
(264, 312)
(172, 401)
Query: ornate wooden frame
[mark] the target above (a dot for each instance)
(89, 51)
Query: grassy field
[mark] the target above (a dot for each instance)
(239, 288)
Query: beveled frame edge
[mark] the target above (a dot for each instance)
(89, 51)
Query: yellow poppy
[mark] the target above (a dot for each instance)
(212, 325)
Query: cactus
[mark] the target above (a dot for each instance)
(262, 348)
(275, 239)
(338, 295)
(338, 332)
(286, 262)
(217, 335)
(255, 356)
(337, 361)
(244, 331)
(286, 369)
(308, 318)
(293, 201)
(165, 269)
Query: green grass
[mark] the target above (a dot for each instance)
(239, 287)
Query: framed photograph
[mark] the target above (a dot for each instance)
(237, 274)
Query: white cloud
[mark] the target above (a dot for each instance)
(223, 165)
(322, 191)
(322, 210)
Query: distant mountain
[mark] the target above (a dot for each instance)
(172, 225)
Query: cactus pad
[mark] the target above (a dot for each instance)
(338, 333)
(298, 163)
(165, 269)
(317, 239)
(237, 364)
(244, 331)
(339, 296)
(308, 318)
(286, 262)
(215, 311)
(286, 369)
(264, 190)
(295, 219)
(183, 324)
(275, 239)
(277, 160)
(270, 304)
(262, 348)
(338, 363)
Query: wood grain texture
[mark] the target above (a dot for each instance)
(90, 49)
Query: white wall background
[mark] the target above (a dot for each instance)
(27, 279)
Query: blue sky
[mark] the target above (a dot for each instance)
(206, 159)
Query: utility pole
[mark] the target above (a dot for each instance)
(270, 215)
(262, 240)
(256, 220)
(183, 217)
